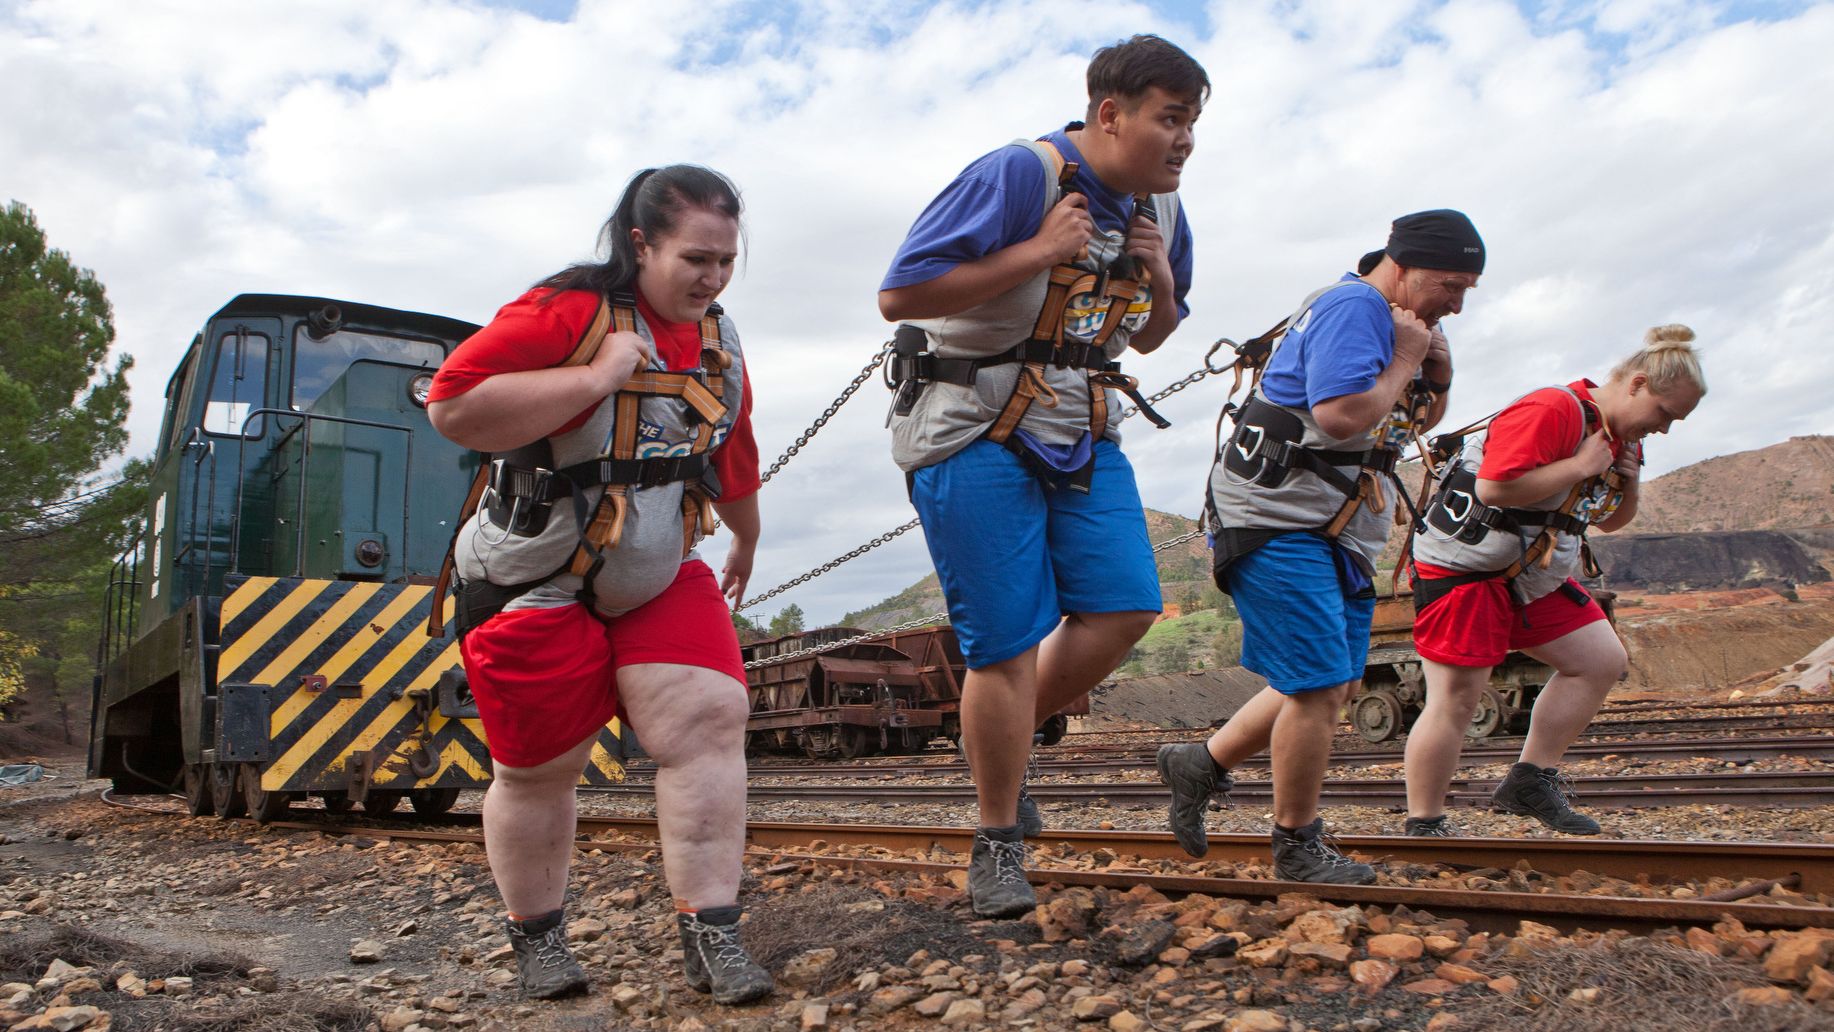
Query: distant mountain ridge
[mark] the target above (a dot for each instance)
(1781, 487)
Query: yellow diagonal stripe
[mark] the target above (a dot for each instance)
(237, 652)
(322, 628)
(376, 676)
(456, 755)
(283, 769)
(234, 604)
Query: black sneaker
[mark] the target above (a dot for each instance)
(1193, 777)
(1031, 822)
(1429, 827)
(996, 874)
(715, 960)
(1541, 793)
(1305, 854)
(543, 961)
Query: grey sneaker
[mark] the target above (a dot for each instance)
(1305, 854)
(1429, 827)
(543, 961)
(1541, 793)
(996, 874)
(1187, 769)
(1031, 822)
(715, 960)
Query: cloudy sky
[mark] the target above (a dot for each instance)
(1629, 162)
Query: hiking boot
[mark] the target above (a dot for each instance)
(715, 960)
(1306, 854)
(996, 874)
(1193, 777)
(543, 961)
(1540, 792)
(1429, 827)
(1031, 822)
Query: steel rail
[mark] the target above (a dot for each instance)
(1817, 747)
(1810, 866)
(1656, 790)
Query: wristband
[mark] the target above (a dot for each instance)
(1436, 387)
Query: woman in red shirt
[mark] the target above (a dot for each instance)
(1494, 564)
(585, 629)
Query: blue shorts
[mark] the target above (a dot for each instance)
(1014, 558)
(1300, 628)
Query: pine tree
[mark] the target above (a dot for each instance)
(63, 412)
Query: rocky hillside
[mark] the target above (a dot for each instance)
(1785, 485)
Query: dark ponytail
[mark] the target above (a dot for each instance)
(653, 201)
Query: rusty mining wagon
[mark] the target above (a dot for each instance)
(891, 695)
(1394, 679)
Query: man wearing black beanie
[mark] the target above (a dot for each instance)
(1299, 507)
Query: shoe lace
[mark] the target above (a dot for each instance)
(549, 948)
(1008, 861)
(1439, 828)
(723, 940)
(1559, 783)
(1324, 847)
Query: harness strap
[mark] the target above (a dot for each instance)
(583, 350)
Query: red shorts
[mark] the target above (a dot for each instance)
(546, 679)
(1476, 625)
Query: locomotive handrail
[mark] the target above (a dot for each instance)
(305, 458)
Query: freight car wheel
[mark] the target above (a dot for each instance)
(225, 796)
(1488, 717)
(377, 804)
(263, 806)
(854, 742)
(1376, 714)
(197, 790)
(432, 802)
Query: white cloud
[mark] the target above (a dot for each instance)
(1629, 163)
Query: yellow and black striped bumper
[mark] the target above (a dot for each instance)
(327, 684)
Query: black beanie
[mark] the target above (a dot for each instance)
(1438, 239)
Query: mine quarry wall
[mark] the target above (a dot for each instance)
(1711, 561)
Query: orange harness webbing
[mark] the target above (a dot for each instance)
(1067, 281)
(607, 523)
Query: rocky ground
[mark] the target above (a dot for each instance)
(113, 918)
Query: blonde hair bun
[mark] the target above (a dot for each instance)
(1673, 333)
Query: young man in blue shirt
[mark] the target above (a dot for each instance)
(1029, 274)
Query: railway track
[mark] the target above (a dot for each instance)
(1524, 871)
(1132, 858)
(1758, 789)
(1109, 758)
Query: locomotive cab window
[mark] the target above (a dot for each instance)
(238, 384)
(319, 361)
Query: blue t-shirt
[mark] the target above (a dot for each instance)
(998, 201)
(1338, 347)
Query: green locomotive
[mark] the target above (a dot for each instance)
(266, 638)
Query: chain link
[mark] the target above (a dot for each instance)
(822, 420)
(1178, 385)
(1179, 540)
(909, 625)
(831, 564)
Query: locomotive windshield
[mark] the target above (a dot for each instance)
(317, 363)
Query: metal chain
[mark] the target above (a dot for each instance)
(908, 625)
(1179, 540)
(1207, 370)
(830, 564)
(822, 420)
